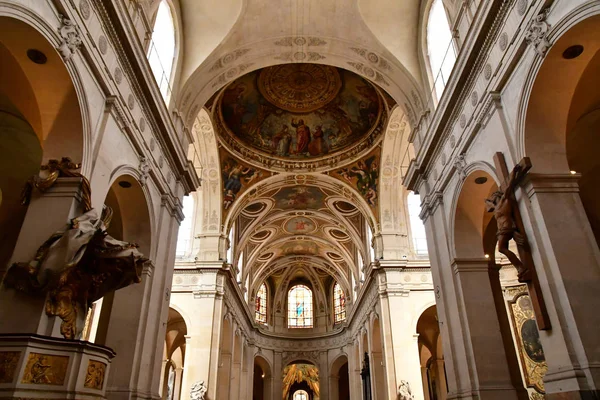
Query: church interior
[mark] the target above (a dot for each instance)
(299, 200)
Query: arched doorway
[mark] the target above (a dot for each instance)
(130, 222)
(475, 242)
(225, 353)
(40, 119)
(339, 379)
(263, 380)
(301, 376)
(378, 377)
(174, 356)
(559, 132)
(433, 369)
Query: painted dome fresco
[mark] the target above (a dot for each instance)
(300, 115)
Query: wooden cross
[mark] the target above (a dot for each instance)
(533, 283)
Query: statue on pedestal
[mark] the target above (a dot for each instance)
(198, 391)
(404, 392)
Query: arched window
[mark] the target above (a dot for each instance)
(300, 395)
(339, 304)
(161, 53)
(261, 305)
(185, 229)
(300, 307)
(417, 228)
(440, 47)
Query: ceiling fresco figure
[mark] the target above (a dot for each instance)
(300, 111)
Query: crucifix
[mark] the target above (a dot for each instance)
(510, 227)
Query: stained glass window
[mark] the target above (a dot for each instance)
(261, 305)
(300, 307)
(339, 303)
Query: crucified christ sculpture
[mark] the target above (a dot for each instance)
(503, 205)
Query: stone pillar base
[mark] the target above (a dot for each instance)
(43, 367)
(575, 395)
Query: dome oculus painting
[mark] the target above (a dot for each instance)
(300, 111)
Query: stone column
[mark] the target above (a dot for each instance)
(137, 325)
(567, 260)
(178, 382)
(440, 374)
(325, 373)
(474, 353)
(388, 338)
(47, 213)
(354, 373)
(334, 388)
(277, 376)
(236, 364)
(487, 359)
(425, 384)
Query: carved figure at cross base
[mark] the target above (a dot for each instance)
(503, 204)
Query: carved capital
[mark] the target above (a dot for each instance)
(537, 33)
(70, 38)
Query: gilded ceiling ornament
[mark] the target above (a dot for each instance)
(299, 88)
(299, 117)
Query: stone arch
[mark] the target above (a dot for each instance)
(132, 210)
(303, 385)
(309, 179)
(558, 118)
(339, 379)
(176, 332)
(263, 384)
(175, 345)
(289, 262)
(378, 377)
(225, 359)
(420, 311)
(67, 83)
(206, 158)
(396, 155)
(42, 118)
(131, 222)
(469, 219)
(206, 81)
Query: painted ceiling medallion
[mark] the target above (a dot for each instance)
(297, 117)
(299, 88)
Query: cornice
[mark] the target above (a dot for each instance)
(468, 67)
(128, 49)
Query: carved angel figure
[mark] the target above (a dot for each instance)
(198, 391)
(404, 392)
